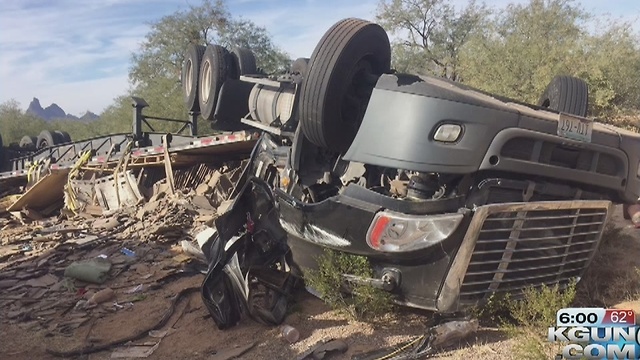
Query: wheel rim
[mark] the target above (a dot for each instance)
(44, 144)
(189, 78)
(205, 88)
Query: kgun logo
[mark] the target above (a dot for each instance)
(597, 342)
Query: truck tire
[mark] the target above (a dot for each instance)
(341, 75)
(46, 139)
(216, 68)
(63, 137)
(28, 142)
(190, 69)
(566, 94)
(244, 62)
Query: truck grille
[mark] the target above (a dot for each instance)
(519, 245)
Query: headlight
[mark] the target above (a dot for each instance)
(394, 232)
(447, 133)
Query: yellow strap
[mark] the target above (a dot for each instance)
(75, 171)
(399, 350)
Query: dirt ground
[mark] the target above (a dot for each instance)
(27, 331)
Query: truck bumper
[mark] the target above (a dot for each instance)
(498, 248)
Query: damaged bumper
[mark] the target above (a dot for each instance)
(492, 249)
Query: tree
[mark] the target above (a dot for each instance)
(16, 123)
(612, 68)
(162, 52)
(156, 67)
(246, 34)
(434, 33)
(526, 45)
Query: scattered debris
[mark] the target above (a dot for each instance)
(247, 262)
(232, 353)
(190, 249)
(135, 290)
(47, 191)
(106, 223)
(290, 333)
(93, 270)
(137, 351)
(43, 281)
(447, 333)
(111, 343)
(100, 297)
(323, 349)
(128, 252)
(439, 336)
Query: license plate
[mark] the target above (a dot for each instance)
(575, 127)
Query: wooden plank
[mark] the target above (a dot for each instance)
(167, 166)
(48, 190)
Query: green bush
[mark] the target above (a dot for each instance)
(356, 300)
(533, 315)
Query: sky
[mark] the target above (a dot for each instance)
(77, 53)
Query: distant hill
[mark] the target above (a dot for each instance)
(89, 116)
(53, 112)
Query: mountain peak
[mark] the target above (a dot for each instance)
(35, 108)
(54, 111)
(89, 116)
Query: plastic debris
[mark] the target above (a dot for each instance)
(135, 289)
(190, 249)
(93, 270)
(100, 297)
(445, 334)
(290, 333)
(322, 349)
(128, 252)
(204, 240)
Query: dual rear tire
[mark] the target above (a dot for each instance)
(45, 139)
(205, 69)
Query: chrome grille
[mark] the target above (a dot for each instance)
(529, 244)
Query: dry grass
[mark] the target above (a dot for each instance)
(613, 276)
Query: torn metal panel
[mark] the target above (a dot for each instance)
(84, 194)
(248, 273)
(115, 193)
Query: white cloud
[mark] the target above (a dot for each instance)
(73, 53)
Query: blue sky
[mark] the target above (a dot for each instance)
(76, 52)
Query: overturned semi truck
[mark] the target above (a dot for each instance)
(453, 194)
